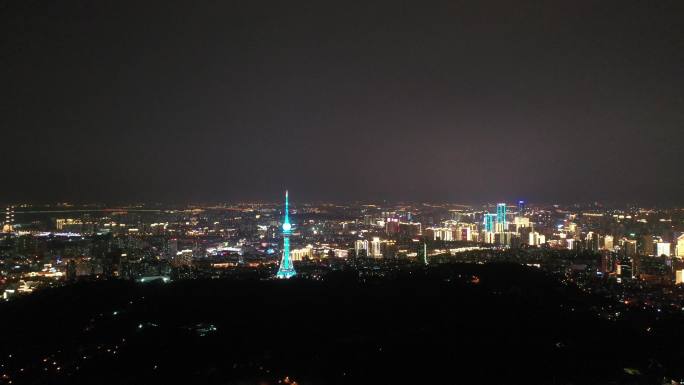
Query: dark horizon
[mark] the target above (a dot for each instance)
(439, 101)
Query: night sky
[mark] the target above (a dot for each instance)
(463, 101)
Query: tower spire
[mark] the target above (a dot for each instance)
(287, 207)
(286, 269)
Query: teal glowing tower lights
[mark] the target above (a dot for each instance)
(286, 269)
(501, 216)
(489, 220)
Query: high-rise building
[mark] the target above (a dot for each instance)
(465, 233)
(361, 248)
(679, 248)
(521, 208)
(663, 249)
(592, 241)
(501, 221)
(536, 239)
(629, 246)
(489, 220)
(608, 243)
(183, 258)
(571, 243)
(521, 223)
(410, 229)
(646, 245)
(440, 233)
(532, 241)
(375, 249)
(8, 226)
(679, 277)
(506, 238)
(286, 268)
(392, 226)
(170, 248)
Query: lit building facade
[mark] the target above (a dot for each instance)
(361, 248)
(489, 220)
(302, 254)
(375, 248)
(608, 243)
(663, 249)
(501, 221)
(536, 239)
(8, 226)
(679, 252)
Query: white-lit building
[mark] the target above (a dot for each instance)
(440, 233)
(571, 243)
(608, 243)
(465, 233)
(303, 253)
(521, 223)
(679, 277)
(536, 239)
(341, 253)
(361, 247)
(375, 248)
(679, 252)
(663, 249)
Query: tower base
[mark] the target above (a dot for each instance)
(285, 273)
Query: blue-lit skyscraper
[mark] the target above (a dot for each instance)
(286, 269)
(501, 217)
(521, 208)
(489, 222)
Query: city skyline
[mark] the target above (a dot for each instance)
(277, 264)
(475, 191)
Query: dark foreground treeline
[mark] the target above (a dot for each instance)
(449, 324)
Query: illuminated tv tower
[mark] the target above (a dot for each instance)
(286, 269)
